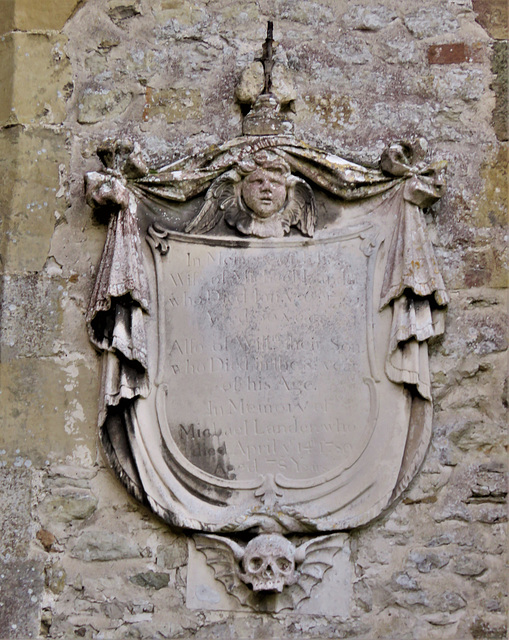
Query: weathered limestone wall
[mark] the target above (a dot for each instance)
(79, 558)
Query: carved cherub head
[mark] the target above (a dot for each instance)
(264, 185)
(259, 197)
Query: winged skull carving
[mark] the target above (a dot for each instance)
(270, 572)
(259, 197)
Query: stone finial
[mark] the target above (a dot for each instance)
(266, 86)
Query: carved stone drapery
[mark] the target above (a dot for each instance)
(115, 312)
(412, 283)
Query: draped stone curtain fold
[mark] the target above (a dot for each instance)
(415, 288)
(115, 312)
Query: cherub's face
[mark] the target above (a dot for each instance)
(264, 191)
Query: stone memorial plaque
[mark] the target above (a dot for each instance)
(264, 309)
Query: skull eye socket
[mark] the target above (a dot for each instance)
(283, 564)
(255, 564)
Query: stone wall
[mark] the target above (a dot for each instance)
(79, 557)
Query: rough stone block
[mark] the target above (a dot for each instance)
(65, 476)
(488, 629)
(310, 13)
(430, 21)
(469, 565)
(476, 331)
(491, 203)
(484, 267)
(151, 580)
(449, 601)
(40, 78)
(369, 18)
(173, 104)
(31, 302)
(501, 111)
(330, 109)
(403, 581)
(95, 106)
(120, 10)
(21, 585)
(351, 49)
(452, 84)
(489, 485)
(30, 164)
(104, 546)
(55, 577)
(426, 562)
(15, 514)
(172, 555)
(400, 50)
(68, 505)
(490, 513)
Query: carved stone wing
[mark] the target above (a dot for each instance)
(316, 557)
(301, 206)
(224, 555)
(219, 198)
